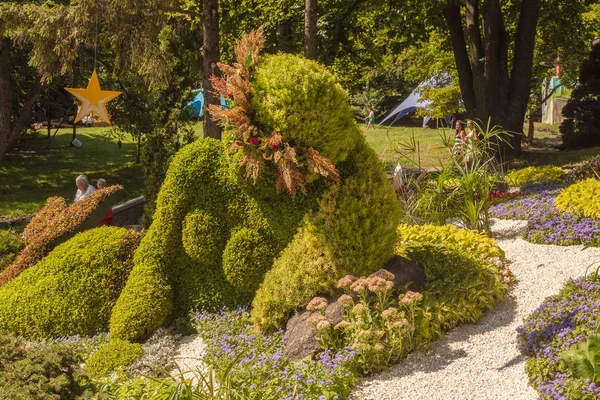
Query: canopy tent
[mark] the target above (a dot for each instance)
(196, 106)
(408, 105)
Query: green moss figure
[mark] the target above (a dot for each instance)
(220, 240)
(114, 355)
(73, 289)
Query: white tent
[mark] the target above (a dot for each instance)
(408, 105)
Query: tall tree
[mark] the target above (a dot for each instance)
(210, 57)
(310, 29)
(491, 85)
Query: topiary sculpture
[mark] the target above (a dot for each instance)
(223, 234)
(73, 289)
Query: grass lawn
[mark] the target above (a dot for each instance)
(390, 143)
(32, 173)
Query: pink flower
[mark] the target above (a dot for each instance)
(383, 274)
(345, 300)
(346, 281)
(377, 284)
(317, 304)
(360, 285)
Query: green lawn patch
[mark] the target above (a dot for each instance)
(32, 172)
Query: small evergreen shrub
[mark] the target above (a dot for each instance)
(10, 246)
(56, 220)
(73, 289)
(117, 354)
(473, 242)
(582, 199)
(39, 372)
(539, 175)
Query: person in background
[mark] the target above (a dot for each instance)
(108, 218)
(84, 189)
(371, 118)
(459, 141)
(470, 140)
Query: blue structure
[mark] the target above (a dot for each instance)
(196, 106)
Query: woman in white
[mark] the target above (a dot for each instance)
(471, 138)
(84, 189)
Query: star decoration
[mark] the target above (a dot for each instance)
(93, 99)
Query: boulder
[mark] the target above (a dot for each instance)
(302, 336)
(406, 271)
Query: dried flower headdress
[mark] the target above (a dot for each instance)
(259, 146)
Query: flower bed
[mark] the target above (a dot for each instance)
(547, 224)
(557, 325)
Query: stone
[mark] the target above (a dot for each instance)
(302, 337)
(335, 313)
(406, 271)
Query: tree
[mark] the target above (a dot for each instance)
(310, 29)
(210, 57)
(582, 126)
(491, 86)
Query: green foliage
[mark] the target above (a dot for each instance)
(10, 246)
(589, 168)
(303, 101)
(117, 354)
(256, 364)
(470, 241)
(245, 274)
(73, 289)
(581, 198)
(39, 372)
(215, 234)
(581, 128)
(583, 361)
(545, 174)
(369, 98)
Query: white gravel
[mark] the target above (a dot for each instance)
(480, 361)
(188, 357)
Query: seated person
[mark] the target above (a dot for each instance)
(84, 189)
(108, 218)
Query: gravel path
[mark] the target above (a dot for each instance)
(480, 361)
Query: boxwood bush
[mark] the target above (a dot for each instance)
(117, 354)
(193, 256)
(73, 289)
(581, 198)
(10, 246)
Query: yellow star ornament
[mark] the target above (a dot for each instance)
(93, 99)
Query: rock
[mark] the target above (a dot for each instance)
(406, 271)
(302, 336)
(335, 313)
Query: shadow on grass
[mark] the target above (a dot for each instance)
(30, 172)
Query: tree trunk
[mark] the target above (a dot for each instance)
(530, 129)
(310, 29)
(210, 57)
(489, 92)
(6, 96)
(284, 35)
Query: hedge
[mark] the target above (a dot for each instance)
(73, 289)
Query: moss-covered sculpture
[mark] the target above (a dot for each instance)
(218, 239)
(73, 289)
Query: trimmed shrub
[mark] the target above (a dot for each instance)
(470, 241)
(193, 256)
(117, 354)
(582, 199)
(73, 289)
(10, 246)
(57, 221)
(545, 174)
(41, 372)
